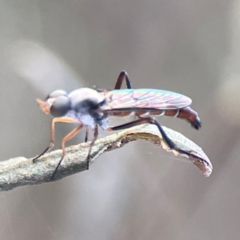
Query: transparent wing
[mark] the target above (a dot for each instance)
(145, 99)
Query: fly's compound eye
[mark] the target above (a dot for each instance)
(56, 94)
(60, 106)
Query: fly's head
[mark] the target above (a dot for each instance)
(57, 103)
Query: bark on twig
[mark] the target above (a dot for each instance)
(22, 171)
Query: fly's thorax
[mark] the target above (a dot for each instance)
(87, 106)
(90, 119)
(104, 124)
(86, 100)
(101, 119)
(87, 120)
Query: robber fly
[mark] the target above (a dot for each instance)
(92, 108)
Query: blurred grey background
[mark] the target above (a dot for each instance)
(140, 191)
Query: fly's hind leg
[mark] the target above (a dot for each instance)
(142, 121)
(123, 75)
(150, 120)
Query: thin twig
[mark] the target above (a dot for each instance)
(21, 171)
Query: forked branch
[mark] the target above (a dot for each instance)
(21, 171)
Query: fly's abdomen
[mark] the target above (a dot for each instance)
(191, 116)
(185, 113)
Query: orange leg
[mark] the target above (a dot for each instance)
(55, 120)
(64, 140)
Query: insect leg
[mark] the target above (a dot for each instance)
(64, 140)
(86, 134)
(95, 136)
(54, 120)
(150, 120)
(142, 121)
(123, 75)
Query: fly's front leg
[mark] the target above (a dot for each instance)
(51, 144)
(123, 75)
(64, 140)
